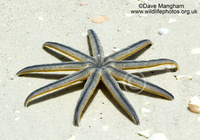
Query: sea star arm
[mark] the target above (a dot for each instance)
(87, 92)
(123, 53)
(131, 64)
(68, 51)
(116, 92)
(66, 81)
(64, 66)
(138, 82)
(95, 44)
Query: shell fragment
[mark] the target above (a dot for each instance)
(163, 31)
(145, 133)
(158, 136)
(194, 104)
(99, 19)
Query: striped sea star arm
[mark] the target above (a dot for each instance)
(131, 64)
(64, 82)
(123, 53)
(140, 83)
(87, 92)
(64, 66)
(119, 96)
(68, 51)
(97, 49)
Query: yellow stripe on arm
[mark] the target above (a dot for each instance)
(76, 54)
(95, 44)
(131, 64)
(116, 92)
(64, 82)
(87, 92)
(123, 53)
(140, 83)
(64, 66)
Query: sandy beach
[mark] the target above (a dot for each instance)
(27, 25)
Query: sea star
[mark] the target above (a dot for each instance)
(97, 68)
